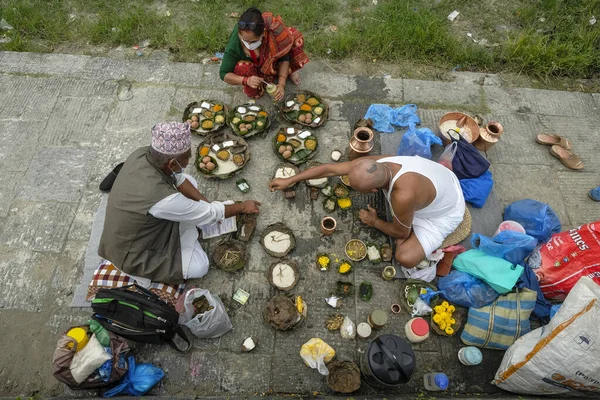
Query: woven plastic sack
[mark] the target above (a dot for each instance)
(561, 357)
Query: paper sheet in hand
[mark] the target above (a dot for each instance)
(228, 225)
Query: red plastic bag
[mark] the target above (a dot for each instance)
(565, 258)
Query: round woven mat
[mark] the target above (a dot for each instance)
(460, 233)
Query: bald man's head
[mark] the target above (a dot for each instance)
(368, 176)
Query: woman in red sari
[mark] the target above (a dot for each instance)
(262, 50)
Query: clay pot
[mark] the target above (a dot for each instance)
(489, 136)
(361, 143)
(328, 226)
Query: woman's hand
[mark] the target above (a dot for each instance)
(254, 82)
(279, 184)
(279, 93)
(368, 216)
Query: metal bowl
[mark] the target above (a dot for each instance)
(453, 120)
(354, 258)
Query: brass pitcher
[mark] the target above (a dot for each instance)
(361, 143)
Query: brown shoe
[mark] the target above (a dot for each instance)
(567, 157)
(553, 140)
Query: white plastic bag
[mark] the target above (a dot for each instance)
(316, 353)
(212, 323)
(88, 359)
(561, 357)
(420, 308)
(348, 329)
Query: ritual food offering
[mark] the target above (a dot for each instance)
(345, 180)
(205, 116)
(230, 255)
(356, 250)
(278, 240)
(455, 125)
(345, 267)
(284, 275)
(330, 203)
(248, 119)
(344, 288)
(373, 253)
(295, 145)
(334, 322)
(305, 108)
(222, 155)
(323, 261)
(285, 312)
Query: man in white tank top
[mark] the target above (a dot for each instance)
(425, 199)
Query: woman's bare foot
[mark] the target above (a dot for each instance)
(295, 78)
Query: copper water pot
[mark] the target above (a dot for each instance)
(361, 143)
(328, 226)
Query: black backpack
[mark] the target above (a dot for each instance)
(138, 315)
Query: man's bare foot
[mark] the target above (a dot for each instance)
(295, 78)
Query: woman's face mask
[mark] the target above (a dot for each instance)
(253, 45)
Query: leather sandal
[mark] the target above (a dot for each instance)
(552, 140)
(567, 157)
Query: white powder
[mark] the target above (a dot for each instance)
(373, 253)
(278, 242)
(284, 172)
(318, 182)
(283, 276)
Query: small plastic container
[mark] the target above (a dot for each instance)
(470, 356)
(510, 226)
(80, 335)
(436, 381)
(417, 330)
(363, 330)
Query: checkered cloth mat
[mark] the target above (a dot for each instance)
(107, 276)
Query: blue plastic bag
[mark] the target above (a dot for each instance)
(512, 246)
(381, 115)
(542, 307)
(384, 116)
(477, 190)
(417, 142)
(139, 379)
(405, 116)
(466, 290)
(538, 219)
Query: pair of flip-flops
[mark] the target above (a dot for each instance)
(560, 148)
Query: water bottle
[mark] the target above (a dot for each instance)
(436, 381)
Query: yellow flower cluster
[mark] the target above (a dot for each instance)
(443, 317)
(324, 262)
(344, 203)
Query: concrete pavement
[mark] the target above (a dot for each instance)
(66, 120)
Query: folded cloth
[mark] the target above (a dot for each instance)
(108, 276)
(496, 272)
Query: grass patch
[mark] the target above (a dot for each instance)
(539, 38)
